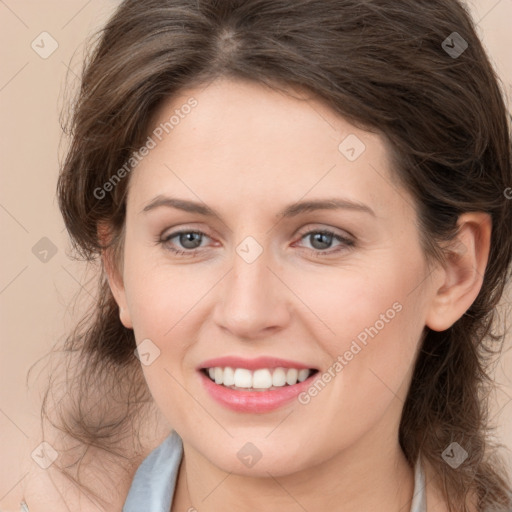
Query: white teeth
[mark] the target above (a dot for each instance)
(229, 376)
(263, 378)
(279, 377)
(291, 376)
(243, 378)
(303, 375)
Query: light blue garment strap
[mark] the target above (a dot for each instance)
(153, 485)
(419, 500)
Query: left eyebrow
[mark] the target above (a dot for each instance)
(180, 204)
(290, 211)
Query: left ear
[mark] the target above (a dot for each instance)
(466, 261)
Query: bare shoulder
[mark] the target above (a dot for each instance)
(50, 489)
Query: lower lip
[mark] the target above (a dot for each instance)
(254, 401)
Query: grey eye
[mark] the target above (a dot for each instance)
(190, 239)
(321, 241)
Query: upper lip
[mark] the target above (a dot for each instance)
(252, 364)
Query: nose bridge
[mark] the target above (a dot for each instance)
(252, 299)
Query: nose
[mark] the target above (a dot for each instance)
(253, 301)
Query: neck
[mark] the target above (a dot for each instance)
(371, 476)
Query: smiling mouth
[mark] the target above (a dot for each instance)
(263, 379)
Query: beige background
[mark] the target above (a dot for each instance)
(35, 295)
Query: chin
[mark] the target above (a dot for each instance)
(255, 459)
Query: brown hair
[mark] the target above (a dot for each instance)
(383, 66)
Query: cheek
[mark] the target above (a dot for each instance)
(370, 357)
(160, 295)
(351, 303)
(371, 322)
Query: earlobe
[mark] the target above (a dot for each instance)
(115, 279)
(117, 288)
(124, 316)
(466, 260)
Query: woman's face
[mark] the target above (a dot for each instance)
(257, 290)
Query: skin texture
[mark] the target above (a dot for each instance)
(248, 152)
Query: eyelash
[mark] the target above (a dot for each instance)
(315, 252)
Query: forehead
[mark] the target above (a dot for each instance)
(254, 144)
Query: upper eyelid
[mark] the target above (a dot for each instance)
(344, 236)
(173, 234)
(315, 228)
